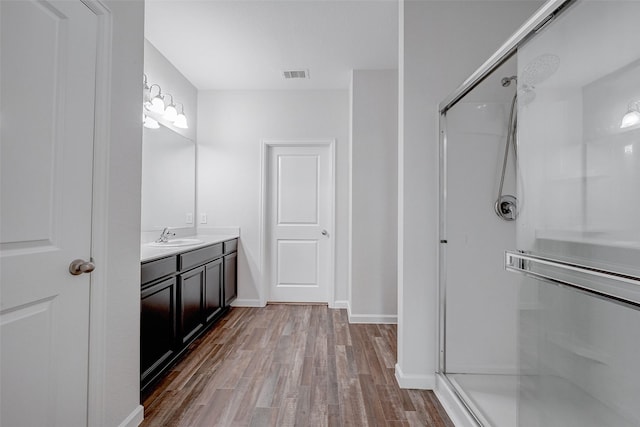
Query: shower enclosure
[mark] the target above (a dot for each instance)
(540, 225)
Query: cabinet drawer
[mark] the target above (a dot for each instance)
(230, 246)
(199, 256)
(150, 271)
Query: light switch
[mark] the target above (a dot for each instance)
(203, 218)
(188, 219)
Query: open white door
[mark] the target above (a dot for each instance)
(48, 56)
(300, 222)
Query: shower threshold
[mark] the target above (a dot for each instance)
(550, 401)
(493, 398)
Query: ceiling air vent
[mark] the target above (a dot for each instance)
(296, 74)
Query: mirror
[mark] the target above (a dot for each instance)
(168, 180)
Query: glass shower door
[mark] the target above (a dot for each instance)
(480, 357)
(578, 233)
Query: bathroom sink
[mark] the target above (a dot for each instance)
(176, 242)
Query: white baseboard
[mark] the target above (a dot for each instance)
(342, 304)
(452, 404)
(247, 303)
(365, 318)
(420, 382)
(135, 418)
(373, 318)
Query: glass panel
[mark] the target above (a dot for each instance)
(481, 297)
(168, 179)
(580, 167)
(579, 170)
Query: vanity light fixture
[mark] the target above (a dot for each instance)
(632, 117)
(170, 113)
(181, 119)
(154, 108)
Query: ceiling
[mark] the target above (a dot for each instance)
(239, 44)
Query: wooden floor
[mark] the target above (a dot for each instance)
(287, 365)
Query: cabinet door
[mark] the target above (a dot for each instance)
(213, 289)
(191, 293)
(230, 282)
(157, 326)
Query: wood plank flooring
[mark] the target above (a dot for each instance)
(288, 365)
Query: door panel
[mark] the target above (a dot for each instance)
(230, 278)
(191, 293)
(213, 289)
(157, 326)
(27, 372)
(298, 263)
(300, 206)
(47, 80)
(298, 191)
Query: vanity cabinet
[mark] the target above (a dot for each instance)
(182, 296)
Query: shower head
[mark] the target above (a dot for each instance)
(540, 69)
(506, 81)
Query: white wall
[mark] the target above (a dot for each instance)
(374, 194)
(118, 364)
(230, 129)
(162, 72)
(441, 43)
(482, 298)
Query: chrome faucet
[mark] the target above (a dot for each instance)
(164, 236)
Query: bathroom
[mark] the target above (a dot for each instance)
(430, 67)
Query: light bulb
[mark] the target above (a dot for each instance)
(170, 114)
(157, 105)
(150, 123)
(631, 118)
(181, 121)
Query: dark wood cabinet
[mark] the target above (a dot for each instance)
(213, 290)
(181, 297)
(157, 327)
(230, 282)
(191, 298)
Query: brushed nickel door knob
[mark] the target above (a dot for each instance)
(79, 266)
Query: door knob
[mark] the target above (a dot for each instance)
(325, 233)
(79, 266)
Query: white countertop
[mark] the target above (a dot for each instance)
(149, 253)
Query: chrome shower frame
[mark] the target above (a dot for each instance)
(540, 19)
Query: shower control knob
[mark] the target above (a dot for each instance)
(506, 207)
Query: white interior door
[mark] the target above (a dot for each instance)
(300, 192)
(47, 80)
